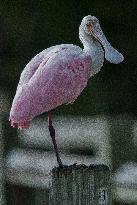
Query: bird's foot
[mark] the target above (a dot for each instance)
(61, 166)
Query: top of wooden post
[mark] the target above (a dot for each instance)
(80, 184)
(95, 167)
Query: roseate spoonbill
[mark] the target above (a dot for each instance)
(58, 74)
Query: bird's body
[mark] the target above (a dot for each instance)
(58, 74)
(54, 77)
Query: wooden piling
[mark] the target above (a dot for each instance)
(80, 185)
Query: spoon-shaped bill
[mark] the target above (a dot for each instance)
(111, 54)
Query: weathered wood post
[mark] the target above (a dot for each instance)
(80, 185)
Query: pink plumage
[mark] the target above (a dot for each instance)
(54, 77)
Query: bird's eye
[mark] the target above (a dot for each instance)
(89, 26)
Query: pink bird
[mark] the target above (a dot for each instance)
(58, 74)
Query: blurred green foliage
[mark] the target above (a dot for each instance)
(27, 27)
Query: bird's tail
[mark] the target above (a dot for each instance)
(19, 125)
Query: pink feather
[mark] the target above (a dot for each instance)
(54, 77)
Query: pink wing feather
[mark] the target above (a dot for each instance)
(58, 79)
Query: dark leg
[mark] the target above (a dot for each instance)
(52, 134)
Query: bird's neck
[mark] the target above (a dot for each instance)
(94, 49)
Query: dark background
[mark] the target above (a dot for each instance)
(28, 27)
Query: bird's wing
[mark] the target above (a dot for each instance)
(35, 62)
(59, 80)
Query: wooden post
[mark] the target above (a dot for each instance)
(80, 185)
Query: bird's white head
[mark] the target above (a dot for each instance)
(90, 30)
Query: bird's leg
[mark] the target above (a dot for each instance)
(52, 134)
